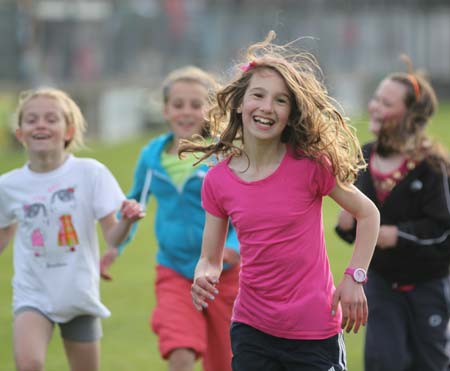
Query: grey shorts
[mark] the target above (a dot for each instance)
(83, 328)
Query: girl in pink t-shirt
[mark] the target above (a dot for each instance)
(284, 147)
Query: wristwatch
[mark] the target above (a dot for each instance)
(359, 275)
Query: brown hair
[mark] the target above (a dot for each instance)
(409, 136)
(315, 130)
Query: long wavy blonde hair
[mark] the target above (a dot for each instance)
(316, 129)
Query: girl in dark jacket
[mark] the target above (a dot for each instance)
(407, 178)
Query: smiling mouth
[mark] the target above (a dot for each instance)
(186, 125)
(263, 121)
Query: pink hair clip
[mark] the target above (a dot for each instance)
(248, 66)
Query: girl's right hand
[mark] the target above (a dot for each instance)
(106, 261)
(346, 220)
(204, 285)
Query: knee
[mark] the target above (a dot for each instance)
(181, 359)
(29, 363)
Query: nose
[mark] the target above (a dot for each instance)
(41, 122)
(372, 105)
(267, 105)
(187, 111)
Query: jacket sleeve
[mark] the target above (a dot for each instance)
(348, 236)
(140, 191)
(433, 229)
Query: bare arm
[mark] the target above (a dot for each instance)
(209, 266)
(361, 208)
(6, 234)
(349, 293)
(115, 231)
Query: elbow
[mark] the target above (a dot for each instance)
(376, 214)
(368, 213)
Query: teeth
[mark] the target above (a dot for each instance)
(40, 136)
(264, 121)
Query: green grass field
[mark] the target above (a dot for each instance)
(128, 343)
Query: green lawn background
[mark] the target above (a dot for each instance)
(128, 343)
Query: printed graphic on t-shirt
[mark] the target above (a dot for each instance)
(62, 204)
(50, 226)
(36, 223)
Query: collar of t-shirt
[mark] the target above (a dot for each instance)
(178, 169)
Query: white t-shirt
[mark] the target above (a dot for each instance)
(56, 251)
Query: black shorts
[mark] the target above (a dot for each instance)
(256, 350)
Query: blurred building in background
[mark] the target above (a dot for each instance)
(110, 53)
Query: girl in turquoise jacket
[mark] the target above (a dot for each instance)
(184, 332)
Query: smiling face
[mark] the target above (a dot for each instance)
(266, 106)
(185, 108)
(42, 128)
(387, 104)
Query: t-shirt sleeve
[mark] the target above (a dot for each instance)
(108, 195)
(324, 179)
(6, 217)
(210, 200)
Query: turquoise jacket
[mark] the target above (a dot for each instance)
(179, 218)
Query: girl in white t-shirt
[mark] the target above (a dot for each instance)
(51, 206)
(285, 147)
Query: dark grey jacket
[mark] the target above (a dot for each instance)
(420, 207)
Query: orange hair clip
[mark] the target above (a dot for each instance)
(415, 84)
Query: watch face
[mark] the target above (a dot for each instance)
(359, 275)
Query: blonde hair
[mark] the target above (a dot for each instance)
(72, 113)
(192, 74)
(315, 130)
(189, 74)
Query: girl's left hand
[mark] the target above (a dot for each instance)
(353, 303)
(131, 211)
(346, 220)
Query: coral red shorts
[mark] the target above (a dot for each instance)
(179, 324)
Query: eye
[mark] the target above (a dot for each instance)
(386, 103)
(282, 100)
(29, 119)
(197, 105)
(52, 119)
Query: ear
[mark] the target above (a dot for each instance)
(239, 109)
(165, 112)
(70, 132)
(19, 135)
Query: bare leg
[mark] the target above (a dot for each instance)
(182, 359)
(32, 334)
(83, 356)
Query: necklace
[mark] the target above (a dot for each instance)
(384, 182)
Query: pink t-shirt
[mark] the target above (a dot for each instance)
(286, 285)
